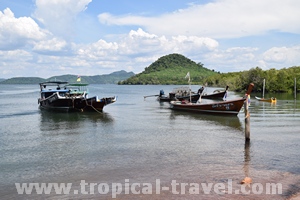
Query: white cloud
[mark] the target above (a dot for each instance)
(18, 32)
(141, 43)
(139, 49)
(219, 19)
(10, 56)
(231, 59)
(100, 50)
(52, 45)
(59, 16)
(239, 59)
(281, 55)
(10, 66)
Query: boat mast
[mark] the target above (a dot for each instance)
(264, 83)
(190, 90)
(189, 80)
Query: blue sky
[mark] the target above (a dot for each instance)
(44, 38)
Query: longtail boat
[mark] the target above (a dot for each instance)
(230, 107)
(183, 94)
(195, 97)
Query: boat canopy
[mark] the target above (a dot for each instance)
(77, 88)
(78, 84)
(63, 86)
(54, 83)
(52, 91)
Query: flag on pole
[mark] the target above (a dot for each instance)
(78, 78)
(188, 76)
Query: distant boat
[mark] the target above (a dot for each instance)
(59, 95)
(183, 94)
(178, 94)
(271, 100)
(230, 107)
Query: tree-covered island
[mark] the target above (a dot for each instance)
(172, 69)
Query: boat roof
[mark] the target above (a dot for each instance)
(52, 91)
(78, 84)
(54, 83)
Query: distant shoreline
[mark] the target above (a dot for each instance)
(112, 78)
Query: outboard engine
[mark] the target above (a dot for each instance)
(161, 93)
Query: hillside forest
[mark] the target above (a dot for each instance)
(172, 69)
(277, 81)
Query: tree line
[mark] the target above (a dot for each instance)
(277, 81)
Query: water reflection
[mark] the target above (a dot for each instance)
(281, 107)
(56, 121)
(230, 121)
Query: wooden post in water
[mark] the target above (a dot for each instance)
(247, 113)
(247, 121)
(295, 89)
(247, 158)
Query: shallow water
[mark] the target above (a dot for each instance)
(143, 140)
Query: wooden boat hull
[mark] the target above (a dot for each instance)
(75, 104)
(94, 104)
(193, 97)
(231, 107)
(217, 95)
(165, 99)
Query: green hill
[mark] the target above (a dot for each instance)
(112, 78)
(23, 80)
(170, 69)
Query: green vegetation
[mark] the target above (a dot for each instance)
(276, 80)
(112, 78)
(170, 70)
(23, 80)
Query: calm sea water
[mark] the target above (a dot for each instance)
(143, 140)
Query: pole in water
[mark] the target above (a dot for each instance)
(247, 120)
(264, 87)
(247, 113)
(295, 89)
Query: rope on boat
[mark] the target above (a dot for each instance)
(73, 99)
(92, 106)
